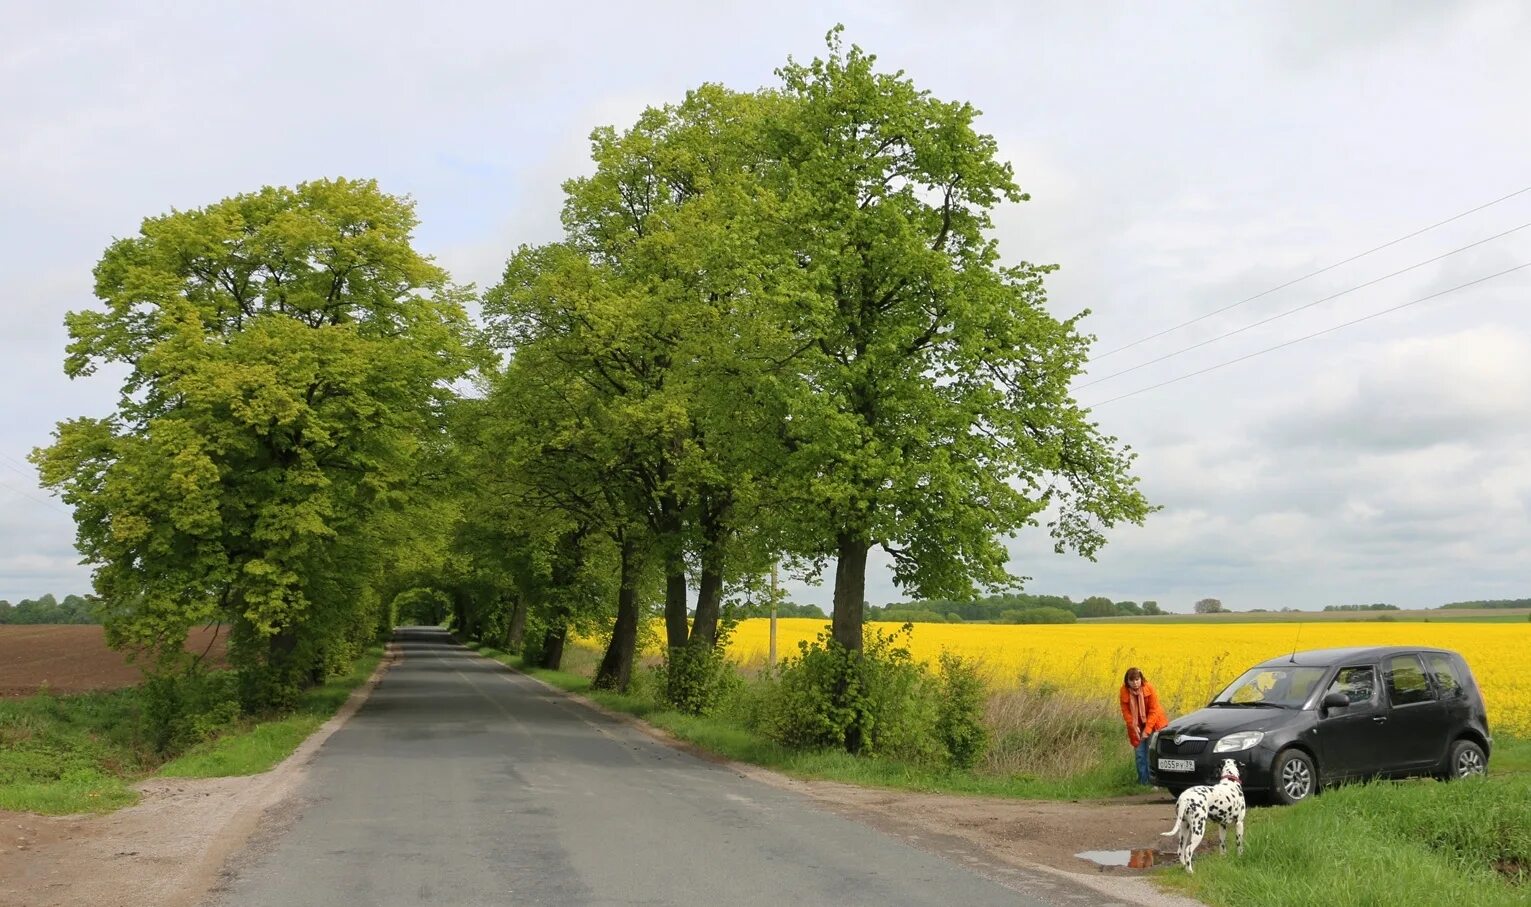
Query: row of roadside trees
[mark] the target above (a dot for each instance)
(776, 328)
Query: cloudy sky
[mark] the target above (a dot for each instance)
(1181, 157)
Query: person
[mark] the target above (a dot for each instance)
(1143, 714)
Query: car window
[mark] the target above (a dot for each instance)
(1444, 672)
(1358, 683)
(1280, 687)
(1406, 681)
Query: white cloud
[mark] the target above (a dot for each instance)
(1179, 161)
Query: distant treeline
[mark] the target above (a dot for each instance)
(1011, 608)
(784, 609)
(74, 609)
(1496, 603)
(1379, 606)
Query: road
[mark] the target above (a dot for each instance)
(460, 782)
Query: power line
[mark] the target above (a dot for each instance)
(1280, 315)
(43, 501)
(1298, 280)
(1288, 343)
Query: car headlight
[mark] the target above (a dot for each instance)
(1243, 740)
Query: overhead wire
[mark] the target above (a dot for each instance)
(1328, 330)
(1293, 311)
(1297, 280)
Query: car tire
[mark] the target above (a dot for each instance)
(1293, 777)
(1466, 760)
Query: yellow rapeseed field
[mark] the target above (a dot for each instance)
(1187, 663)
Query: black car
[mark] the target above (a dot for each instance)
(1309, 719)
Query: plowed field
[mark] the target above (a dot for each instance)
(74, 659)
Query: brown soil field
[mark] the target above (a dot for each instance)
(76, 659)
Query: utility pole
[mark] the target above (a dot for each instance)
(773, 614)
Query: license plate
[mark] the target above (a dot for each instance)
(1177, 765)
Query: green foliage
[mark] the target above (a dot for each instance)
(907, 616)
(1492, 603)
(876, 701)
(288, 357)
(74, 609)
(182, 710)
(1038, 616)
(959, 720)
(698, 677)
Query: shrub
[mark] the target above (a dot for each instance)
(960, 711)
(876, 701)
(698, 676)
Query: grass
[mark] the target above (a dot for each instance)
(1395, 843)
(62, 755)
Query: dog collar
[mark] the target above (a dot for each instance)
(1232, 778)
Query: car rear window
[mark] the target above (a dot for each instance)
(1443, 670)
(1406, 682)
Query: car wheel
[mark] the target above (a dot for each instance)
(1466, 760)
(1294, 776)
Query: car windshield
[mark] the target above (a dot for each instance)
(1279, 687)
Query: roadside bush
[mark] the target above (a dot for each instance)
(184, 709)
(960, 711)
(878, 701)
(698, 677)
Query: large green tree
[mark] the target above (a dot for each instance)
(288, 355)
(933, 416)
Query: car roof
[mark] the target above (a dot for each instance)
(1328, 657)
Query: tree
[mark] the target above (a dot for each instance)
(1151, 607)
(933, 415)
(288, 355)
(1097, 606)
(1209, 606)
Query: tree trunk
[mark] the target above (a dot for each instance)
(709, 595)
(515, 633)
(676, 629)
(552, 646)
(850, 590)
(616, 668)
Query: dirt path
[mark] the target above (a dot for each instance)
(169, 849)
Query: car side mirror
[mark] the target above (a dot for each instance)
(1336, 700)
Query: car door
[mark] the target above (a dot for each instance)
(1417, 730)
(1348, 735)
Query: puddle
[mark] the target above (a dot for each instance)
(1141, 858)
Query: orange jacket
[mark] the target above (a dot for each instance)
(1156, 717)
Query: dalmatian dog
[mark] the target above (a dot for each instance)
(1222, 803)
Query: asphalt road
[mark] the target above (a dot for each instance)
(460, 782)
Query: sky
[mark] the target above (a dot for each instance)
(1183, 159)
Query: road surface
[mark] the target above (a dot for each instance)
(460, 782)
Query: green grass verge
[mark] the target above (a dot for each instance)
(258, 746)
(1401, 844)
(729, 739)
(61, 755)
(70, 754)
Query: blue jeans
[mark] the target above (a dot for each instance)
(1142, 753)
